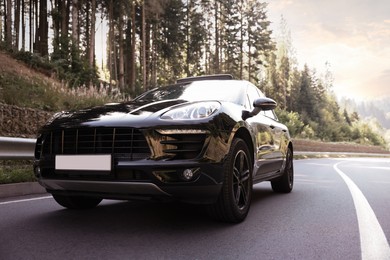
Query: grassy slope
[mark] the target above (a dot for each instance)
(25, 87)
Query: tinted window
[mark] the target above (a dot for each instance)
(252, 93)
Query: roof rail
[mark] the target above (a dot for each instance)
(206, 77)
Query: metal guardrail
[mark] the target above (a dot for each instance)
(17, 148)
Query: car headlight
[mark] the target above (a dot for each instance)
(197, 110)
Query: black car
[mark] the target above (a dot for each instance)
(204, 140)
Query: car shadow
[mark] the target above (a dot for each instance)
(149, 230)
(136, 216)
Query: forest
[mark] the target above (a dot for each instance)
(154, 42)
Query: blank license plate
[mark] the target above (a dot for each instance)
(83, 162)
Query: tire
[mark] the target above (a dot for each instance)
(76, 202)
(285, 183)
(234, 201)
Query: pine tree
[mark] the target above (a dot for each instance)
(195, 37)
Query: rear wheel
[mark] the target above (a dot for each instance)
(234, 200)
(284, 184)
(76, 202)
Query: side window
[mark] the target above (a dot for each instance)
(252, 94)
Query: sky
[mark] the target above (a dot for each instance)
(353, 36)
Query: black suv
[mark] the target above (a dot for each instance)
(204, 140)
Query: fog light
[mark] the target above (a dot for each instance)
(188, 174)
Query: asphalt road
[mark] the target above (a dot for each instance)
(339, 209)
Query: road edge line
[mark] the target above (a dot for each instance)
(25, 200)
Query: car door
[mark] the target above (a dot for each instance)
(275, 156)
(267, 132)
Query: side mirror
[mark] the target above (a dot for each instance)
(259, 104)
(264, 103)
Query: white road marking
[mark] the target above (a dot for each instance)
(373, 242)
(25, 200)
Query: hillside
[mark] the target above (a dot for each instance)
(29, 97)
(24, 86)
(11, 66)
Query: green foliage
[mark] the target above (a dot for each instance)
(364, 134)
(34, 61)
(312, 112)
(292, 120)
(70, 66)
(16, 171)
(50, 95)
(195, 37)
(26, 92)
(172, 38)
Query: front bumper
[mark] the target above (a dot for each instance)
(143, 179)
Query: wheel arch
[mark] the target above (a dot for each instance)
(244, 134)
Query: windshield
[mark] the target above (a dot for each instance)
(221, 90)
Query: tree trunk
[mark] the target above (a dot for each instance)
(17, 24)
(31, 25)
(23, 26)
(8, 32)
(121, 53)
(216, 62)
(249, 59)
(111, 48)
(64, 7)
(1, 26)
(92, 35)
(154, 50)
(143, 47)
(132, 53)
(75, 23)
(36, 38)
(242, 40)
(188, 44)
(43, 29)
(56, 24)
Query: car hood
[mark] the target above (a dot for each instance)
(133, 113)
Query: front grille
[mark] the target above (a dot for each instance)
(127, 143)
(184, 146)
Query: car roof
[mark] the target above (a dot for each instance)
(205, 77)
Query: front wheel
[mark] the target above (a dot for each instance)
(284, 184)
(234, 200)
(76, 202)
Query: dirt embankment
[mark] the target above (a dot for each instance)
(318, 146)
(20, 121)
